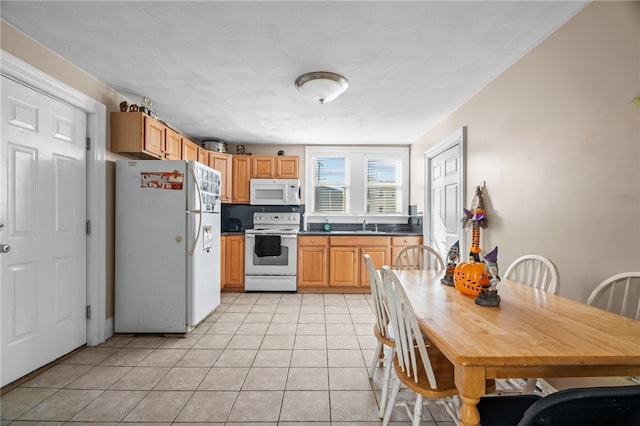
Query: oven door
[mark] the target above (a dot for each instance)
(271, 253)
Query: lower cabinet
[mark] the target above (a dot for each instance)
(346, 261)
(313, 266)
(223, 258)
(234, 263)
(398, 243)
(336, 263)
(325, 263)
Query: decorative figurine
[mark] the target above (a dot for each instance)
(476, 219)
(470, 277)
(453, 256)
(240, 150)
(133, 108)
(123, 106)
(488, 296)
(146, 105)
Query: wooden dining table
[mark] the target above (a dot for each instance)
(531, 334)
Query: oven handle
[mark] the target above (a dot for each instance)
(284, 237)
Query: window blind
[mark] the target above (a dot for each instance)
(384, 186)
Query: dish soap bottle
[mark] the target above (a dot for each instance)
(326, 226)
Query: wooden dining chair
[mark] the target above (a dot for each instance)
(385, 345)
(538, 272)
(534, 271)
(421, 368)
(619, 294)
(418, 257)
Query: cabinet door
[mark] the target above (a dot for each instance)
(223, 258)
(241, 172)
(401, 242)
(287, 167)
(234, 268)
(203, 155)
(312, 266)
(189, 150)
(263, 166)
(344, 270)
(173, 145)
(153, 137)
(222, 163)
(379, 256)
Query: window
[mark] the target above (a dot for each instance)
(384, 186)
(330, 182)
(363, 181)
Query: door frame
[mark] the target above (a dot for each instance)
(23, 73)
(457, 138)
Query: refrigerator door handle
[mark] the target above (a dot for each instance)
(198, 212)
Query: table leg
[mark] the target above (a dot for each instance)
(470, 382)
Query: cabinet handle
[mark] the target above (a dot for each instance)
(313, 241)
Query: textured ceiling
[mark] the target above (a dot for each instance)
(226, 69)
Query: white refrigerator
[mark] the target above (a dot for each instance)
(167, 245)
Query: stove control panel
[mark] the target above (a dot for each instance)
(284, 218)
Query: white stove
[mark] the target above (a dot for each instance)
(271, 252)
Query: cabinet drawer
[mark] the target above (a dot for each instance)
(406, 240)
(360, 241)
(313, 241)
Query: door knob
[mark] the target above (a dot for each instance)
(5, 248)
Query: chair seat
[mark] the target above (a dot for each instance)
(443, 370)
(386, 340)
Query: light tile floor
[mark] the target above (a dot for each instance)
(259, 359)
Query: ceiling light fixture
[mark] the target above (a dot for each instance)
(322, 86)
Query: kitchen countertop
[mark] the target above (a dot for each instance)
(362, 233)
(345, 233)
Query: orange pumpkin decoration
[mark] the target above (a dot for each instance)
(470, 277)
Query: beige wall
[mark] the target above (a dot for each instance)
(557, 140)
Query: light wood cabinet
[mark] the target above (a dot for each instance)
(263, 166)
(172, 145)
(313, 266)
(222, 163)
(223, 258)
(241, 172)
(287, 167)
(275, 166)
(203, 155)
(189, 150)
(234, 262)
(153, 138)
(398, 243)
(346, 262)
(138, 135)
(344, 267)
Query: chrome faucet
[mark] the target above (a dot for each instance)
(364, 225)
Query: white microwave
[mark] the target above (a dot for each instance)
(269, 192)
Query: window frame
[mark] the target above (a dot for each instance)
(357, 182)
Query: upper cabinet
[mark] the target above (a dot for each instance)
(138, 135)
(190, 150)
(222, 163)
(241, 172)
(275, 167)
(172, 145)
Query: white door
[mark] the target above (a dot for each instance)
(445, 192)
(43, 218)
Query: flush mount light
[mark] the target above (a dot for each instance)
(322, 86)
